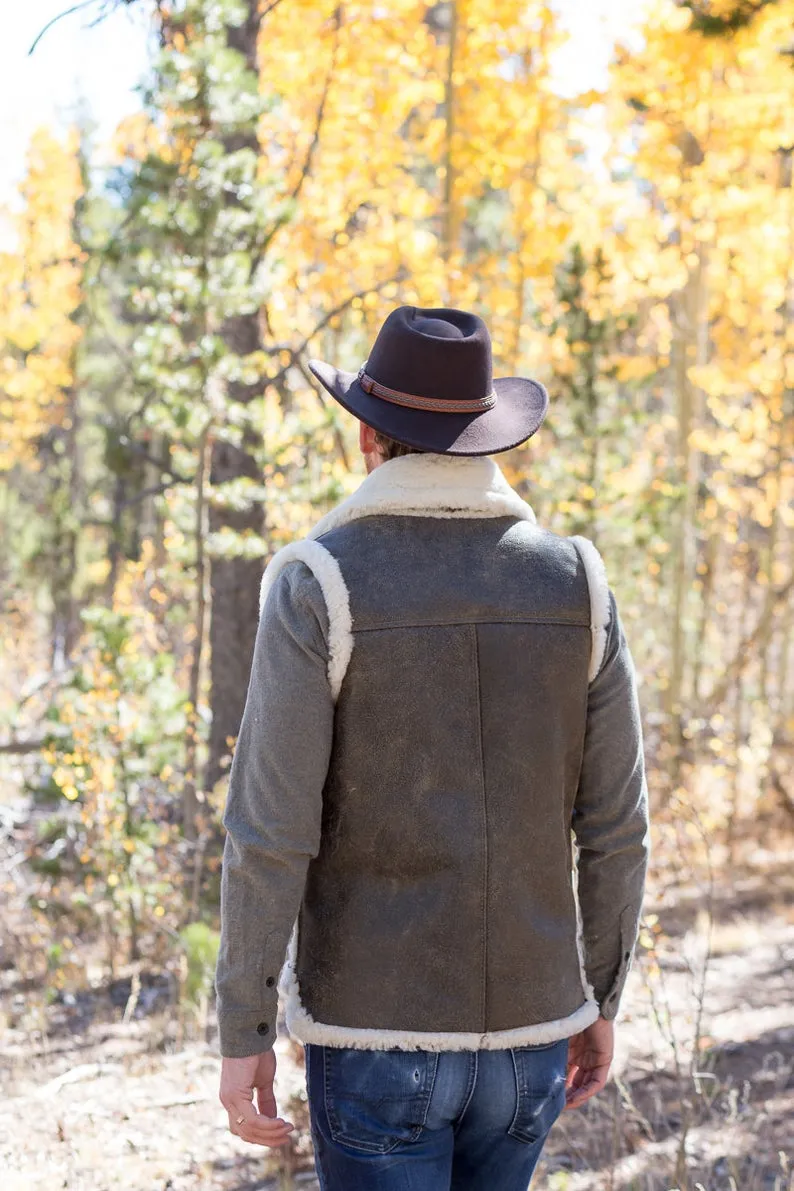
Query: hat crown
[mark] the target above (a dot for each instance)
(436, 352)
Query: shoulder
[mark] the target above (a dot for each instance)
(555, 563)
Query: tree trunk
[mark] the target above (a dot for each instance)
(65, 616)
(234, 582)
(690, 346)
(190, 802)
(448, 229)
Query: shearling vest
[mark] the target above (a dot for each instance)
(440, 910)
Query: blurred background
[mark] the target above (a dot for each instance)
(197, 195)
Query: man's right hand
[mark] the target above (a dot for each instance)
(240, 1079)
(589, 1058)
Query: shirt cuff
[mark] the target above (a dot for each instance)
(608, 996)
(246, 1033)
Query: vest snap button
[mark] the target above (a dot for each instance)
(262, 1028)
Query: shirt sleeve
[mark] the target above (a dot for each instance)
(610, 822)
(273, 807)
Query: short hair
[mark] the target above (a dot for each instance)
(391, 449)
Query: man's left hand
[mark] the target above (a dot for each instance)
(589, 1058)
(240, 1080)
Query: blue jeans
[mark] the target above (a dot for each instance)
(420, 1121)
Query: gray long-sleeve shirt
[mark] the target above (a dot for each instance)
(273, 808)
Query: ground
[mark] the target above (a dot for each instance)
(103, 1098)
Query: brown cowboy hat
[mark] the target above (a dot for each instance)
(428, 384)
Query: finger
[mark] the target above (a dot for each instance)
(261, 1130)
(267, 1127)
(263, 1123)
(270, 1143)
(582, 1090)
(578, 1096)
(594, 1069)
(574, 1056)
(578, 1077)
(255, 1119)
(571, 1073)
(585, 1080)
(579, 1100)
(259, 1136)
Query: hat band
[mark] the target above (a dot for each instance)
(438, 405)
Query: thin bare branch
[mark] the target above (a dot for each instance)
(338, 437)
(775, 597)
(269, 8)
(337, 19)
(66, 13)
(21, 747)
(153, 490)
(298, 351)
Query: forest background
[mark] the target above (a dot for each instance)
(298, 168)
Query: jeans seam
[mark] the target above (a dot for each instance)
(431, 1088)
(518, 1092)
(473, 1066)
(314, 1128)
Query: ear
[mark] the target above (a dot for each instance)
(366, 439)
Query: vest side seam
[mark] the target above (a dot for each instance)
(598, 588)
(328, 574)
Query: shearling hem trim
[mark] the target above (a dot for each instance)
(304, 1028)
(599, 601)
(430, 486)
(328, 574)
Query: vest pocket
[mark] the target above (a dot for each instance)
(540, 1089)
(376, 1100)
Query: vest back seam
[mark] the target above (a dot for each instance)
(484, 897)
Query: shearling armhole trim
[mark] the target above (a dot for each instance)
(328, 574)
(304, 1028)
(587, 987)
(599, 601)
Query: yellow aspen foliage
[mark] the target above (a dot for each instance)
(40, 292)
(137, 136)
(713, 123)
(425, 152)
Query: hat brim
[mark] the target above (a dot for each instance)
(519, 410)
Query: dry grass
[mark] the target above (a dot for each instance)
(702, 1099)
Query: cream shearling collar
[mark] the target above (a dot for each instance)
(430, 486)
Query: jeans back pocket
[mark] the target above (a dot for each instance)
(377, 1099)
(540, 1073)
